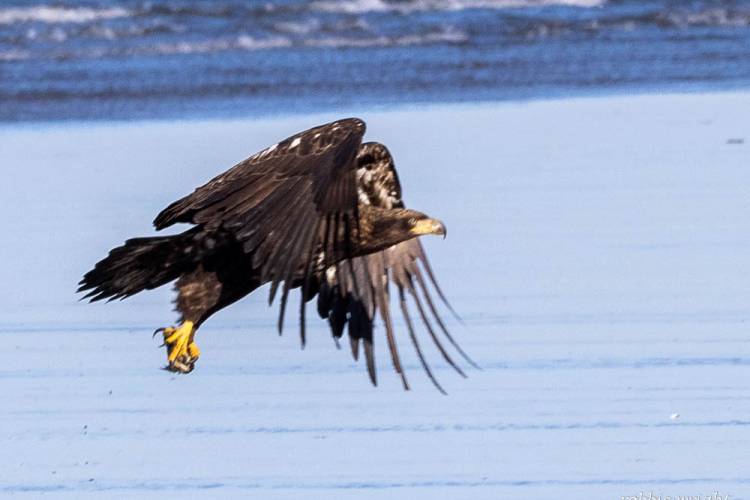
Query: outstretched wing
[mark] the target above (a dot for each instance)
(353, 299)
(284, 204)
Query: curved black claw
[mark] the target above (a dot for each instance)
(163, 331)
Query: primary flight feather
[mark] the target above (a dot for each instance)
(320, 212)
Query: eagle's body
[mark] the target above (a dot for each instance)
(320, 212)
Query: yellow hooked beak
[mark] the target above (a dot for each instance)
(429, 226)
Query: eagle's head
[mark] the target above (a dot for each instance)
(390, 227)
(417, 224)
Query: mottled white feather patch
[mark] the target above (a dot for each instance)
(364, 178)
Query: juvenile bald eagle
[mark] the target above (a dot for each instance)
(320, 212)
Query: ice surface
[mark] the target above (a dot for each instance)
(597, 249)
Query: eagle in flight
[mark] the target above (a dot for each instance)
(320, 212)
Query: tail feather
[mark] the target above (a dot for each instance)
(140, 264)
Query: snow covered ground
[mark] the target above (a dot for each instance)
(598, 251)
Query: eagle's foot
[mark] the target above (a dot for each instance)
(182, 352)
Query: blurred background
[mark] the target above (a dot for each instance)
(125, 59)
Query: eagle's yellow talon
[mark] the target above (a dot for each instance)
(193, 350)
(181, 350)
(171, 335)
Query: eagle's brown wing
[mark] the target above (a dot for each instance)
(353, 298)
(285, 203)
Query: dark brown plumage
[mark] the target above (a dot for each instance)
(321, 212)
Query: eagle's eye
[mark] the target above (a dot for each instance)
(412, 221)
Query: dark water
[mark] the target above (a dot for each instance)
(187, 58)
